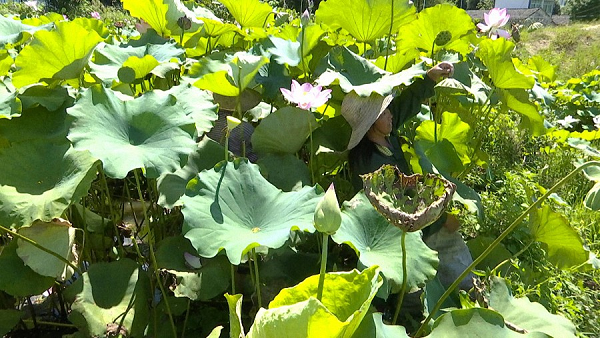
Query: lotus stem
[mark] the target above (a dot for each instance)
(323, 266)
(512, 257)
(41, 247)
(404, 277)
(232, 279)
(257, 280)
(497, 241)
(111, 210)
(151, 247)
(387, 45)
(187, 314)
(41, 322)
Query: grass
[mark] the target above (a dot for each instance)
(574, 48)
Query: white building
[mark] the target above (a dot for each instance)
(546, 5)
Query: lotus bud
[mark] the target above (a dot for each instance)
(184, 23)
(232, 122)
(328, 216)
(305, 18)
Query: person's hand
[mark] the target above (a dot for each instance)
(441, 70)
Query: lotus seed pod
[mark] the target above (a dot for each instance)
(328, 216)
(443, 38)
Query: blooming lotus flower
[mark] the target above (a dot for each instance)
(32, 4)
(495, 19)
(306, 96)
(568, 121)
(95, 15)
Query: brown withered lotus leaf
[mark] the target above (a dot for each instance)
(408, 202)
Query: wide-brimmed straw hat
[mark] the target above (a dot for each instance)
(362, 112)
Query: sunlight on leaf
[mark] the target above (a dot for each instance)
(496, 55)
(162, 15)
(250, 13)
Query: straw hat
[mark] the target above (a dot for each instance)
(362, 112)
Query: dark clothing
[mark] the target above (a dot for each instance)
(366, 158)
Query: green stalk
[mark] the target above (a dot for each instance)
(41, 322)
(152, 256)
(257, 281)
(497, 241)
(41, 247)
(187, 314)
(387, 45)
(511, 257)
(404, 277)
(323, 267)
(112, 212)
(232, 278)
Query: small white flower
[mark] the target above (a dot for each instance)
(568, 121)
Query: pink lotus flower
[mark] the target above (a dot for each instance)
(95, 15)
(495, 19)
(142, 26)
(306, 96)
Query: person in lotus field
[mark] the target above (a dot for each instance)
(375, 141)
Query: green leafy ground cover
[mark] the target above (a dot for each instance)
(119, 218)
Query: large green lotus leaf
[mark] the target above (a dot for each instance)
(8, 320)
(291, 124)
(215, 28)
(35, 124)
(108, 59)
(518, 100)
(196, 103)
(171, 186)
(162, 15)
(149, 132)
(273, 76)
(377, 242)
(59, 55)
(422, 32)
(233, 76)
(286, 172)
(353, 72)
(497, 256)
(57, 236)
(433, 292)
(475, 322)
(136, 68)
(233, 207)
(40, 95)
(15, 32)
(284, 51)
(234, 302)
(525, 314)
(496, 55)
(396, 62)
(250, 13)
(346, 299)
(209, 280)
(563, 244)
(92, 24)
(6, 62)
(13, 270)
(373, 326)
(453, 130)
(10, 104)
(592, 198)
(105, 294)
(366, 20)
(40, 179)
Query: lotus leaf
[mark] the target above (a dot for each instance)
(136, 68)
(60, 55)
(354, 72)
(296, 312)
(467, 322)
(171, 186)
(13, 269)
(10, 104)
(288, 123)
(366, 20)
(408, 202)
(250, 13)
(372, 326)
(6, 62)
(434, 21)
(39, 95)
(41, 179)
(196, 283)
(236, 328)
(525, 314)
(109, 295)
(92, 24)
(563, 244)
(8, 320)
(286, 172)
(496, 55)
(285, 51)
(162, 15)
(149, 132)
(518, 100)
(196, 103)
(57, 236)
(16, 32)
(377, 242)
(233, 207)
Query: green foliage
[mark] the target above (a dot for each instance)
(582, 9)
